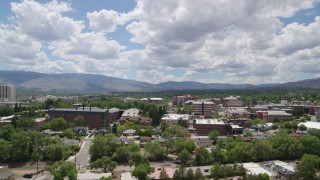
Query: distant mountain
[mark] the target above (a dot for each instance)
(91, 83)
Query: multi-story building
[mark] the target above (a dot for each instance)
(114, 115)
(176, 100)
(204, 126)
(172, 119)
(274, 115)
(232, 102)
(92, 116)
(8, 93)
(201, 108)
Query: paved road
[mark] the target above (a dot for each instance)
(83, 156)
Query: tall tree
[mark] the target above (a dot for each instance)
(163, 174)
(63, 169)
(142, 170)
(78, 121)
(105, 163)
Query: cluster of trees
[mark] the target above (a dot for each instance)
(308, 167)
(17, 145)
(106, 152)
(280, 146)
(62, 170)
(223, 171)
(182, 174)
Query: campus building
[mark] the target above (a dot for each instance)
(8, 93)
(204, 126)
(93, 117)
(204, 108)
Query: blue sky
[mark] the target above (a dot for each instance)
(156, 41)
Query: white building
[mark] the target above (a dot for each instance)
(311, 125)
(8, 93)
(172, 119)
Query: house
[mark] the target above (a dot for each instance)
(129, 132)
(70, 142)
(81, 130)
(144, 140)
(92, 176)
(202, 141)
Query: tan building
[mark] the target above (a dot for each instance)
(172, 119)
(232, 102)
(8, 93)
(204, 108)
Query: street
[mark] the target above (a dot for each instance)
(82, 157)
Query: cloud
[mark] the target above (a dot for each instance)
(243, 41)
(106, 20)
(45, 21)
(87, 45)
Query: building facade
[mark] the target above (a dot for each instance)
(93, 117)
(201, 108)
(204, 126)
(8, 93)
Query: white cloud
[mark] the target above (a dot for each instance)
(237, 39)
(45, 21)
(106, 20)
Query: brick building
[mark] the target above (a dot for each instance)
(274, 115)
(93, 117)
(182, 99)
(205, 126)
(204, 108)
(232, 102)
(114, 114)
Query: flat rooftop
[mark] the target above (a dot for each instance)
(209, 121)
(255, 169)
(80, 109)
(175, 116)
(131, 112)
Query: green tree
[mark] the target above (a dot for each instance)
(213, 135)
(100, 148)
(202, 157)
(155, 150)
(58, 124)
(198, 174)
(7, 131)
(105, 163)
(302, 127)
(21, 142)
(184, 156)
(62, 169)
(163, 174)
(176, 131)
(68, 133)
(6, 148)
(307, 168)
(55, 152)
(183, 123)
(78, 121)
(142, 170)
(189, 175)
(311, 144)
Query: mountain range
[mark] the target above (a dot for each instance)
(92, 83)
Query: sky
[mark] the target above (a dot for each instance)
(209, 41)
